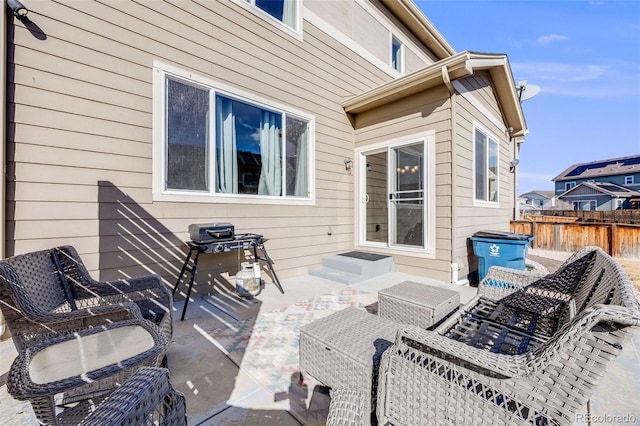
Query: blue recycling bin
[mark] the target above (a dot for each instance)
(494, 248)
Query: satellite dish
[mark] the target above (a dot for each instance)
(526, 91)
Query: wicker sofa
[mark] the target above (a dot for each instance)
(537, 362)
(49, 292)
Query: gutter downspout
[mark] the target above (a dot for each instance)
(455, 267)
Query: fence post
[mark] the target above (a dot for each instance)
(613, 240)
(534, 232)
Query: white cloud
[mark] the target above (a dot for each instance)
(583, 80)
(589, 72)
(546, 39)
(561, 72)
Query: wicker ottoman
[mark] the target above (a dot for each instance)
(343, 350)
(417, 304)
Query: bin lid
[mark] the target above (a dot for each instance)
(499, 235)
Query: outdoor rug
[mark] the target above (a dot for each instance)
(266, 347)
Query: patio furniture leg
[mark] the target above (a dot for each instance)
(192, 270)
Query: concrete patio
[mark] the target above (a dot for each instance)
(235, 360)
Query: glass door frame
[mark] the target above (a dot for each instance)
(428, 247)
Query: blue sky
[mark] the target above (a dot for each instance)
(584, 55)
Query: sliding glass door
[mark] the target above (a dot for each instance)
(393, 196)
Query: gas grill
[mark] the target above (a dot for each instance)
(218, 238)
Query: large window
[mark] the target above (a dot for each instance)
(584, 205)
(486, 167)
(285, 11)
(220, 144)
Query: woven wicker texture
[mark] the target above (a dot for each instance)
(417, 304)
(50, 292)
(145, 398)
(347, 408)
(342, 350)
(81, 387)
(446, 382)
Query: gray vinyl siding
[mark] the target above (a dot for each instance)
(470, 216)
(419, 113)
(618, 179)
(364, 25)
(80, 141)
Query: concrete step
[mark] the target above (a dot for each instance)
(336, 275)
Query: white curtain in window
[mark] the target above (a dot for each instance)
(289, 13)
(271, 173)
(302, 183)
(226, 154)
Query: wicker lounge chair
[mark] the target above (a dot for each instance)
(50, 292)
(477, 365)
(146, 398)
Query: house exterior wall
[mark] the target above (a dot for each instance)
(458, 216)
(80, 133)
(419, 114)
(478, 107)
(560, 186)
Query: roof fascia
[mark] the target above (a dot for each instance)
(460, 65)
(415, 20)
(415, 82)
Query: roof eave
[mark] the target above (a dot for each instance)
(415, 82)
(415, 20)
(454, 67)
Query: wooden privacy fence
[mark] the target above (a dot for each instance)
(617, 239)
(618, 216)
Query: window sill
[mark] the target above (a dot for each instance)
(176, 197)
(488, 204)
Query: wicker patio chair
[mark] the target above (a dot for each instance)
(501, 281)
(145, 398)
(50, 292)
(457, 379)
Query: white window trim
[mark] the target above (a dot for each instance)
(595, 204)
(629, 180)
(160, 71)
(429, 251)
(569, 185)
(296, 33)
(482, 203)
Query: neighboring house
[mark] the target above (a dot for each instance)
(326, 126)
(539, 199)
(624, 171)
(599, 196)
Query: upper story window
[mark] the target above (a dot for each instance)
(628, 180)
(569, 185)
(285, 11)
(397, 50)
(486, 167)
(220, 144)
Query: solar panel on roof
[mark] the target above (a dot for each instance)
(614, 188)
(631, 161)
